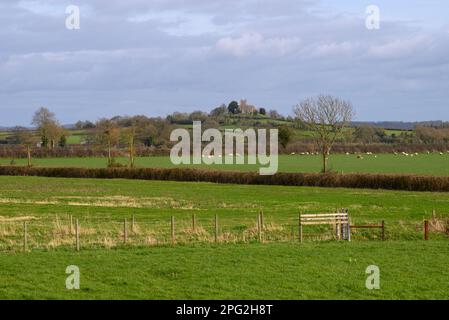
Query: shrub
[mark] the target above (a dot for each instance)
(115, 164)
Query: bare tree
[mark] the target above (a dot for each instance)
(43, 116)
(326, 116)
(129, 135)
(108, 134)
(47, 126)
(26, 138)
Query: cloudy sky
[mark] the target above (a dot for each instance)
(154, 57)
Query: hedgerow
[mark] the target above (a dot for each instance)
(333, 180)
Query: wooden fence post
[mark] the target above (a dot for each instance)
(383, 230)
(173, 230)
(348, 228)
(216, 228)
(77, 235)
(193, 222)
(262, 223)
(337, 226)
(426, 230)
(71, 224)
(300, 228)
(25, 236)
(125, 231)
(133, 222)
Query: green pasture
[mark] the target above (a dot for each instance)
(270, 271)
(424, 164)
(150, 266)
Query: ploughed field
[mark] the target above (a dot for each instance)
(197, 263)
(423, 164)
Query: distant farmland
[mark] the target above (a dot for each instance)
(425, 164)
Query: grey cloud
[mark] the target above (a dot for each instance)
(159, 56)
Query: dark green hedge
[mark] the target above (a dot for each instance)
(367, 181)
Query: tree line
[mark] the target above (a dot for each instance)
(326, 120)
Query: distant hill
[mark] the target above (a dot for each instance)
(397, 125)
(389, 125)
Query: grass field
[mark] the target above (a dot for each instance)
(149, 267)
(427, 164)
(270, 271)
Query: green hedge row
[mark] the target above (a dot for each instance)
(366, 181)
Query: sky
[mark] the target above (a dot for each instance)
(154, 57)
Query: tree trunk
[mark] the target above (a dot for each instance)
(109, 154)
(324, 170)
(29, 155)
(325, 154)
(131, 153)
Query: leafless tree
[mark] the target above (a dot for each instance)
(108, 134)
(326, 117)
(129, 135)
(27, 138)
(47, 126)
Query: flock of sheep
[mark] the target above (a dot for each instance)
(417, 154)
(360, 155)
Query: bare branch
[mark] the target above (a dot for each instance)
(326, 116)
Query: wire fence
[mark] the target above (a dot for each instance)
(68, 231)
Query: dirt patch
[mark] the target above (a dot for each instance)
(108, 201)
(15, 219)
(23, 201)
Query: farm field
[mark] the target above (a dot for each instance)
(426, 164)
(268, 271)
(148, 266)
